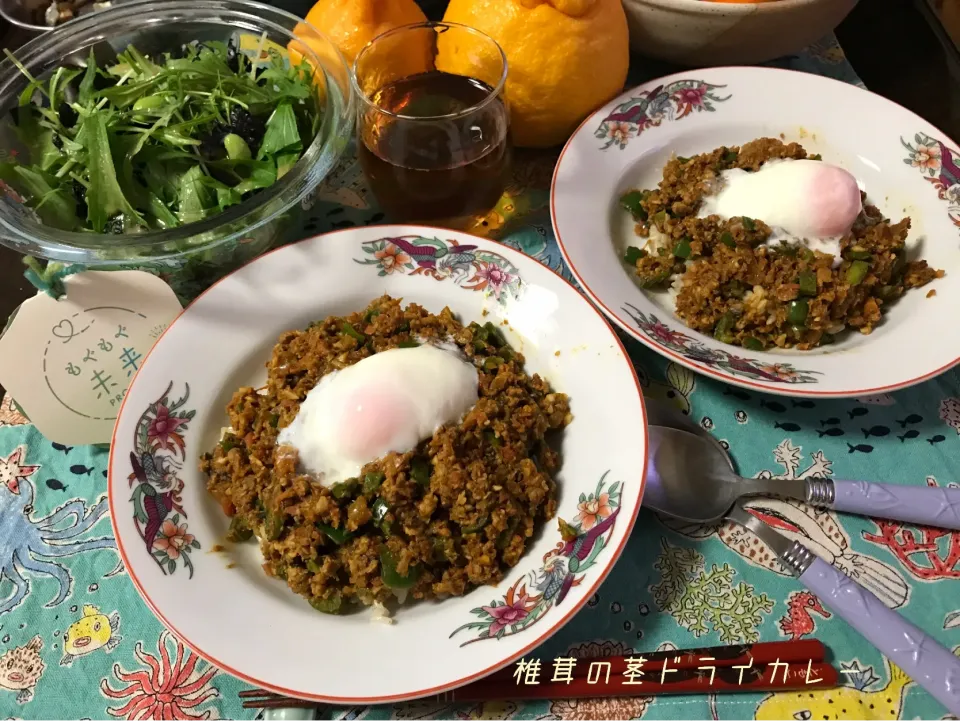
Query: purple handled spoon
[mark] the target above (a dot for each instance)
(690, 478)
(922, 505)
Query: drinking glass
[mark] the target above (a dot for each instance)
(433, 127)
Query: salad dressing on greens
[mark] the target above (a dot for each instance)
(150, 143)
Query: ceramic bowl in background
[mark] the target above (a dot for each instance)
(22, 14)
(702, 33)
(31, 16)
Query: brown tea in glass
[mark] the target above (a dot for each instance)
(434, 144)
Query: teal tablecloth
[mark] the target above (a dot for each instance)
(674, 585)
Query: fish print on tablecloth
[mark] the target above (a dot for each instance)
(855, 701)
(21, 669)
(92, 631)
(883, 399)
(504, 218)
(819, 530)
(56, 485)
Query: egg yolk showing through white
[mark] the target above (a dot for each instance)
(801, 200)
(390, 401)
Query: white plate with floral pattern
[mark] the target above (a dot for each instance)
(219, 600)
(906, 166)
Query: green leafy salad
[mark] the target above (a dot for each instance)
(150, 143)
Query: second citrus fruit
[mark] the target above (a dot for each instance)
(565, 59)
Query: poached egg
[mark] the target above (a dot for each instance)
(805, 201)
(390, 401)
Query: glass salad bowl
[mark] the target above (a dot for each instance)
(192, 250)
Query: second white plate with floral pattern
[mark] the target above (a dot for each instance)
(214, 595)
(907, 167)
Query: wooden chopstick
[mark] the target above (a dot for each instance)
(726, 680)
(774, 666)
(279, 702)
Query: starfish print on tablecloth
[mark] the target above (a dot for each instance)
(13, 470)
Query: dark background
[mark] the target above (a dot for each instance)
(896, 46)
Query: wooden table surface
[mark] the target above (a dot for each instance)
(890, 44)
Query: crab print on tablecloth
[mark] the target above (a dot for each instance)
(160, 451)
(467, 265)
(650, 108)
(529, 599)
(694, 350)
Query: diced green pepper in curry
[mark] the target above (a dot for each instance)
(737, 279)
(454, 512)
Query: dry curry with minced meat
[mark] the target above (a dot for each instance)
(454, 513)
(746, 293)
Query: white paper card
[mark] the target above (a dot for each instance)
(68, 362)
